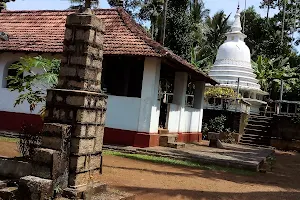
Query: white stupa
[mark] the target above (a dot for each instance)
(233, 63)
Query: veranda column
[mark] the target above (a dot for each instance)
(180, 88)
(77, 100)
(199, 100)
(150, 106)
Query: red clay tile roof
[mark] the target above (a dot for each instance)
(43, 31)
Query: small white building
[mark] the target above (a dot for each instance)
(233, 69)
(133, 66)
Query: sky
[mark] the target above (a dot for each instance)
(229, 6)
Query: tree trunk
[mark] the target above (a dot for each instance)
(268, 12)
(163, 29)
(88, 4)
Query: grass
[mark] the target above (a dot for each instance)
(174, 162)
(7, 139)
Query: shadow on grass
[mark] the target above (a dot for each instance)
(181, 163)
(284, 175)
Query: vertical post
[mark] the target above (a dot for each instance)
(180, 87)
(237, 95)
(199, 101)
(150, 105)
(281, 89)
(78, 100)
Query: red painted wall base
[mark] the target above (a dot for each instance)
(10, 121)
(130, 138)
(189, 137)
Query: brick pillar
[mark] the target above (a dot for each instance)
(77, 101)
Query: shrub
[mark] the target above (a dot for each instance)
(217, 124)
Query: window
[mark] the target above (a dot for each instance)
(12, 72)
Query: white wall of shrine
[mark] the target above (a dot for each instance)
(125, 113)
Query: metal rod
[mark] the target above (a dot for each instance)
(245, 16)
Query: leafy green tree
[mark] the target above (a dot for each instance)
(30, 84)
(179, 28)
(263, 37)
(269, 4)
(270, 72)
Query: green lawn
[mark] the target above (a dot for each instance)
(169, 161)
(7, 139)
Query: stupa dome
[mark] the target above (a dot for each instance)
(233, 61)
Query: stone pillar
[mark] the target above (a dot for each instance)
(199, 100)
(77, 101)
(150, 105)
(180, 88)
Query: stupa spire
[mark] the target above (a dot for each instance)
(237, 26)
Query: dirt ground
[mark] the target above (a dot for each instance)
(155, 181)
(8, 149)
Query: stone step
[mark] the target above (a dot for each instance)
(81, 192)
(8, 193)
(45, 156)
(3, 184)
(113, 195)
(176, 145)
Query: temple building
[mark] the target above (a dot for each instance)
(233, 69)
(133, 67)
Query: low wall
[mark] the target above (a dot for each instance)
(233, 118)
(285, 132)
(285, 127)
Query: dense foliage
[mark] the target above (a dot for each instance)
(219, 92)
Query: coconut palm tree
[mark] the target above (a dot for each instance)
(209, 35)
(270, 72)
(152, 10)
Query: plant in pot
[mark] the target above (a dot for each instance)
(215, 127)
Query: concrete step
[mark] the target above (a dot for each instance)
(256, 142)
(260, 117)
(163, 131)
(258, 126)
(257, 121)
(167, 138)
(176, 145)
(256, 132)
(255, 145)
(8, 193)
(254, 136)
